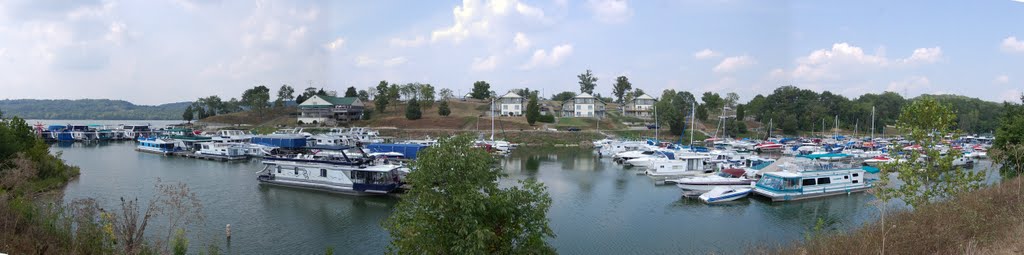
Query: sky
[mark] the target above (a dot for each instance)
(162, 51)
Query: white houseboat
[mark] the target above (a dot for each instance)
(791, 181)
(332, 172)
(157, 145)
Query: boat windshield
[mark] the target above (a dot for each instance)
(779, 183)
(368, 177)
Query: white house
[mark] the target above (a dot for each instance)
(640, 107)
(322, 109)
(511, 104)
(583, 105)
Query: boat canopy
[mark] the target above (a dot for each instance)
(330, 147)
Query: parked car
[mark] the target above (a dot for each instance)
(652, 126)
(573, 129)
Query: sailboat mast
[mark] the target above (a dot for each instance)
(693, 112)
(872, 123)
(492, 119)
(656, 126)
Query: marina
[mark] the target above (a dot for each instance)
(617, 178)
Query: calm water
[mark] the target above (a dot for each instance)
(598, 208)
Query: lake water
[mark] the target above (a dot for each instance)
(598, 207)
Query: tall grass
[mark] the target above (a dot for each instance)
(986, 221)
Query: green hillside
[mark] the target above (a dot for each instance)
(94, 109)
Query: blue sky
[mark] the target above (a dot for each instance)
(161, 51)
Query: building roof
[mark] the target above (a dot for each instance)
(645, 96)
(511, 95)
(584, 95)
(332, 100)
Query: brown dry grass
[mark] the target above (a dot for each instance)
(987, 221)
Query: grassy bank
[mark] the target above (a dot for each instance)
(987, 221)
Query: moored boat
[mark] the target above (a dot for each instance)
(725, 194)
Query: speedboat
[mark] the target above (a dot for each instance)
(725, 194)
(622, 157)
(648, 160)
(767, 146)
(878, 160)
(723, 179)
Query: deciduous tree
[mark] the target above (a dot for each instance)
(466, 211)
(621, 86)
(587, 82)
(481, 90)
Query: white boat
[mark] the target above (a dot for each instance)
(788, 182)
(156, 145)
(220, 149)
(647, 161)
(331, 173)
(622, 157)
(725, 194)
(878, 160)
(767, 146)
(706, 183)
(685, 165)
(232, 136)
(135, 131)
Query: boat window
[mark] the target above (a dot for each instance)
(809, 182)
(855, 181)
(855, 175)
(296, 171)
(323, 172)
(824, 180)
(278, 169)
(790, 183)
(846, 177)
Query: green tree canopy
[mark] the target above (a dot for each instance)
(619, 89)
(927, 175)
(587, 82)
(256, 99)
(187, 115)
(532, 109)
(566, 95)
(412, 110)
(442, 109)
(381, 99)
(351, 92)
(465, 211)
(481, 90)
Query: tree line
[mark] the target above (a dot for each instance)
(90, 109)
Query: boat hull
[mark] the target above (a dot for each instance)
(794, 196)
(719, 198)
(346, 189)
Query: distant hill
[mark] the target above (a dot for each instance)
(90, 109)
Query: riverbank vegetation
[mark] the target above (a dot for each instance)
(33, 220)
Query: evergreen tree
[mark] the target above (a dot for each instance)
(187, 115)
(351, 92)
(481, 90)
(532, 109)
(443, 110)
(412, 110)
(587, 82)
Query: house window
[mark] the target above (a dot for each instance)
(504, 107)
(590, 107)
(517, 107)
(577, 107)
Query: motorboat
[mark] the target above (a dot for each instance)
(789, 180)
(878, 160)
(767, 146)
(725, 194)
(648, 160)
(333, 172)
(706, 183)
(232, 136)
(230, 150)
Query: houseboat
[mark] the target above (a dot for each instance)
(796, 181)
(332, 172)
(157, 145)
(685, 165)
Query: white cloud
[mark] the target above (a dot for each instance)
(1011, 44)
(542, 58)
(924, 55)
(1011, 95)
(474, 18)
(415, 42)
(335, 45)
(364, 61)
(732, 64)
(116, 33)
(521, 42)
(706, 54)
(912, 83)
(485, 64)
(1002, 79)
(611, 11)
(844, 59)
(777, 74)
